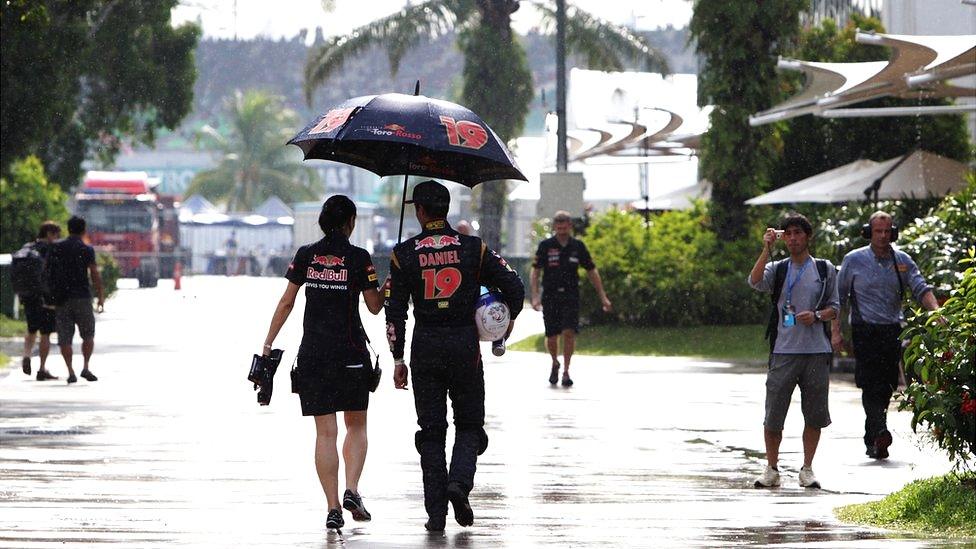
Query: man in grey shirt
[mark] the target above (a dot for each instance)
(805, 297)
(873, 281)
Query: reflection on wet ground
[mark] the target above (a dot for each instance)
(169, 448)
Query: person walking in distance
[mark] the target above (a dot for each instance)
(558, 259)
(37, 300)
(333, 372)
(804, 299)
(70, 263)
(442, 271)
(873, 282)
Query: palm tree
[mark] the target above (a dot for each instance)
(255, 164)
(497, 83)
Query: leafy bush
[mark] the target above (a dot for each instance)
(672, 272)
(27, 199)
(941, 362)
(940, 240)
(109, 268)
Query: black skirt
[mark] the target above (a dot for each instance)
(327, 386)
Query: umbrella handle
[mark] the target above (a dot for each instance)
(403, 205)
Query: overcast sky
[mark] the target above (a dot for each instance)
(285, 18)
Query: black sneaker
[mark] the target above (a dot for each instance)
(881, 443)
(334, 520)
(44, 375)
(871, 452)
(72, 378)
(435, 524)
(567, 381)
(353, 503)
(462, 508)
(88, 375)
(25, 365)
(554, 374)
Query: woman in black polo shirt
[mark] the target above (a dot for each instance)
(333, 362)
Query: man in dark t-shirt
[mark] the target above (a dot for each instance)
(69, 264)
(559, 259)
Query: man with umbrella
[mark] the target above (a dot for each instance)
(442, 271)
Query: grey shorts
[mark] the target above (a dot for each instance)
(812, 373)
(75, 311)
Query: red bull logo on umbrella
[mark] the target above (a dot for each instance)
(436, 241)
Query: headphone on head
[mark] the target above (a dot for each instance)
(866, 232)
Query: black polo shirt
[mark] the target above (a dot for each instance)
(68, 262)
(560, 267)
(334, 273)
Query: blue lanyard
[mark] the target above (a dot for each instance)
(791, 283)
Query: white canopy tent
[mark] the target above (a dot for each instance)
(919, 175)
(811, 189)
(678, 199)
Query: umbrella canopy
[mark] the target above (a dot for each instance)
(394, 133)
(813, 188)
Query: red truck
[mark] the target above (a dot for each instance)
(127, 218)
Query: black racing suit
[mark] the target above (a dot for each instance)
(442, 270)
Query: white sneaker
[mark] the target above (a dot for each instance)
(808, 479)
(768, 479)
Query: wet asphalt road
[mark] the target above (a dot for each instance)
(169, 448)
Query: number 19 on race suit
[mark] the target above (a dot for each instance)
(441, 283)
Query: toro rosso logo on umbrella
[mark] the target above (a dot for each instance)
(436, 241)
(329, 260)
(392, 130)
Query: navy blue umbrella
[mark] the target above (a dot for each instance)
(395, 133)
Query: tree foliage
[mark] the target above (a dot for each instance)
(738, 43)
(254, 163)
(811, 144)
(27, 199)
(497, 83)
(81, 77)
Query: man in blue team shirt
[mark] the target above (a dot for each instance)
(804, 298)
(873, 280)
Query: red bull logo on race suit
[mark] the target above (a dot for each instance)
(436, 241)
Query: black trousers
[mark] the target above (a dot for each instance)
(877, 352)
(447, 362)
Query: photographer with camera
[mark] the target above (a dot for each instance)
(803, 297)
(334, 370)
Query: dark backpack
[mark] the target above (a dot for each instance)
(28, 275)
(778, 282)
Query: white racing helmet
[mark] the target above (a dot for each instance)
(491, 316)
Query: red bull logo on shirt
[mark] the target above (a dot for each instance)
(329, 260)
(327, 275)
(436, 241)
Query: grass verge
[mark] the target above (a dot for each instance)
(10, 327)
(942, 505)
(743, 342)
(4, 361)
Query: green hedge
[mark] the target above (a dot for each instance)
(670, 272)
